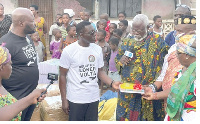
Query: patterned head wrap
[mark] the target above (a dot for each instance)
(184, 43)
(185, 19)
(5, 56)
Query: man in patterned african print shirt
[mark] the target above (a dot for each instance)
(143, 68)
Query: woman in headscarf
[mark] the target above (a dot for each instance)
(181, 102)
(171, 65)
(10, 108)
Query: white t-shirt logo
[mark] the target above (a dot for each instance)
(91, 58)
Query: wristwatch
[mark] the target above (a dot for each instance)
(112, 83)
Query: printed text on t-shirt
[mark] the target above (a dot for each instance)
(88, 70)
(30, 53)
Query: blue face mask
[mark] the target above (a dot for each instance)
(174, 34)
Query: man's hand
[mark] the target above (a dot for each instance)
(65, 106)
(106, 54)
(148, 96)
(148, 93)
(115, 85)
(125, 60)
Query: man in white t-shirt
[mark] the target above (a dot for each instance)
(82, 63)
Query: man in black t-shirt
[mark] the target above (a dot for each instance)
(25, 74)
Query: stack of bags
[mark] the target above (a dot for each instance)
(50, 109)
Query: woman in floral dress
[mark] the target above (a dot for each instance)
(10, 107)
(41, 26)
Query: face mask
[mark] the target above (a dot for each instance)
(139, 38)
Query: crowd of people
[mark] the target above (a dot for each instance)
(95, 55)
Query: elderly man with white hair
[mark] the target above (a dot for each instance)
(148, 51)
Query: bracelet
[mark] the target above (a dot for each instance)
(155, 97)
(155, 87)
(152, 87)
(112, 83)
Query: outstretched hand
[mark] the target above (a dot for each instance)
(148, 96)
(147, 89)
(148, 93)
(115, 85)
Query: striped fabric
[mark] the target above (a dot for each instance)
(5, 25)
(63, 31)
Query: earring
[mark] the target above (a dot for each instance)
(186, 58)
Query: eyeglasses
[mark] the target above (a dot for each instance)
(178, 53)
(91, 32)
(185, 6)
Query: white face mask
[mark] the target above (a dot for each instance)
(139, 37)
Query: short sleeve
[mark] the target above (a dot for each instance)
(51, 29)
(42, 45)
(65, 60)
(101, 62)
(51, 46)
(94, 26)
(164, 69)
(169, 39)
(42, 20)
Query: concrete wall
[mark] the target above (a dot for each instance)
(164, 8)
(191, 4)
(88, 4)
(60, 5)
(9, 5)
(185, 2)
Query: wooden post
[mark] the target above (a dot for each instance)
(96, 9)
